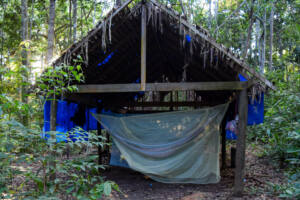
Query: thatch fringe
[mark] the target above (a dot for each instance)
(109, 28)
(103, 41)
(87, 52)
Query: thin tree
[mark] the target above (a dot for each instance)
(51, 32)
(94, 13)
(271, 35)
(74, 2)
(210, 15)
(263, 43)
(31, 19)
(24, 56)
(49, 57)
(183, 8)
(251, 18)
(70, 22)
(2, 39)
(216, 12)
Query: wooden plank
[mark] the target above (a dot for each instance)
(164, 104)
(241, 144)
(135, 87)
(86, 100)
(143, 47)
(216, 45)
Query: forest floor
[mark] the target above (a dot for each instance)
(259, 174)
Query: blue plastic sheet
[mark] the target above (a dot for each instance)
(67, 119)
(255, 112)
(230, 135)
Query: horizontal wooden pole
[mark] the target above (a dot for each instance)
(163, 87)
(166, 104)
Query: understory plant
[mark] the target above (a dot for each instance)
(33, 163)
(27, 168)
(280, 132)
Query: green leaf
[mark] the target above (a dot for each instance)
(107, 188)
(70, 189)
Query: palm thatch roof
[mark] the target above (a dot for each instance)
(177, 51)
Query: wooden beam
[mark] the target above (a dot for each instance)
(165, 104)
(143, 47)
(166, 87)
(241, 144)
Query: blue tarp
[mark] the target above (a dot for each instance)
(66, 118)
(255, 108)
(255, 112)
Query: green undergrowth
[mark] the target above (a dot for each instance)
(280, 133)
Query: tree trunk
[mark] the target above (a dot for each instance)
(94, 13)
(31, 19)
(247, 45)
(74, 20)
(183, 8)
(217, 12)
(70, 20)
(2, 53)
(2, 40)
(263, 49)
(271, 35)
(51, 31)
(49, 57)
(257, 41)
(210, 15)
(24, 36)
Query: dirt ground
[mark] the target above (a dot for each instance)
(259, 172)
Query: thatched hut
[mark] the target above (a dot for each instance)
(144, 57)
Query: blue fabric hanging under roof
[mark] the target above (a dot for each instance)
(255, 108)
(255, 112)
(67, 118)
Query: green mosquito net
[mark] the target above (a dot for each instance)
(170, 147)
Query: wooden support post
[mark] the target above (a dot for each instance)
(171, 101)
(223, 134)
(143, 47)
(241, 144)
(99, 132)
